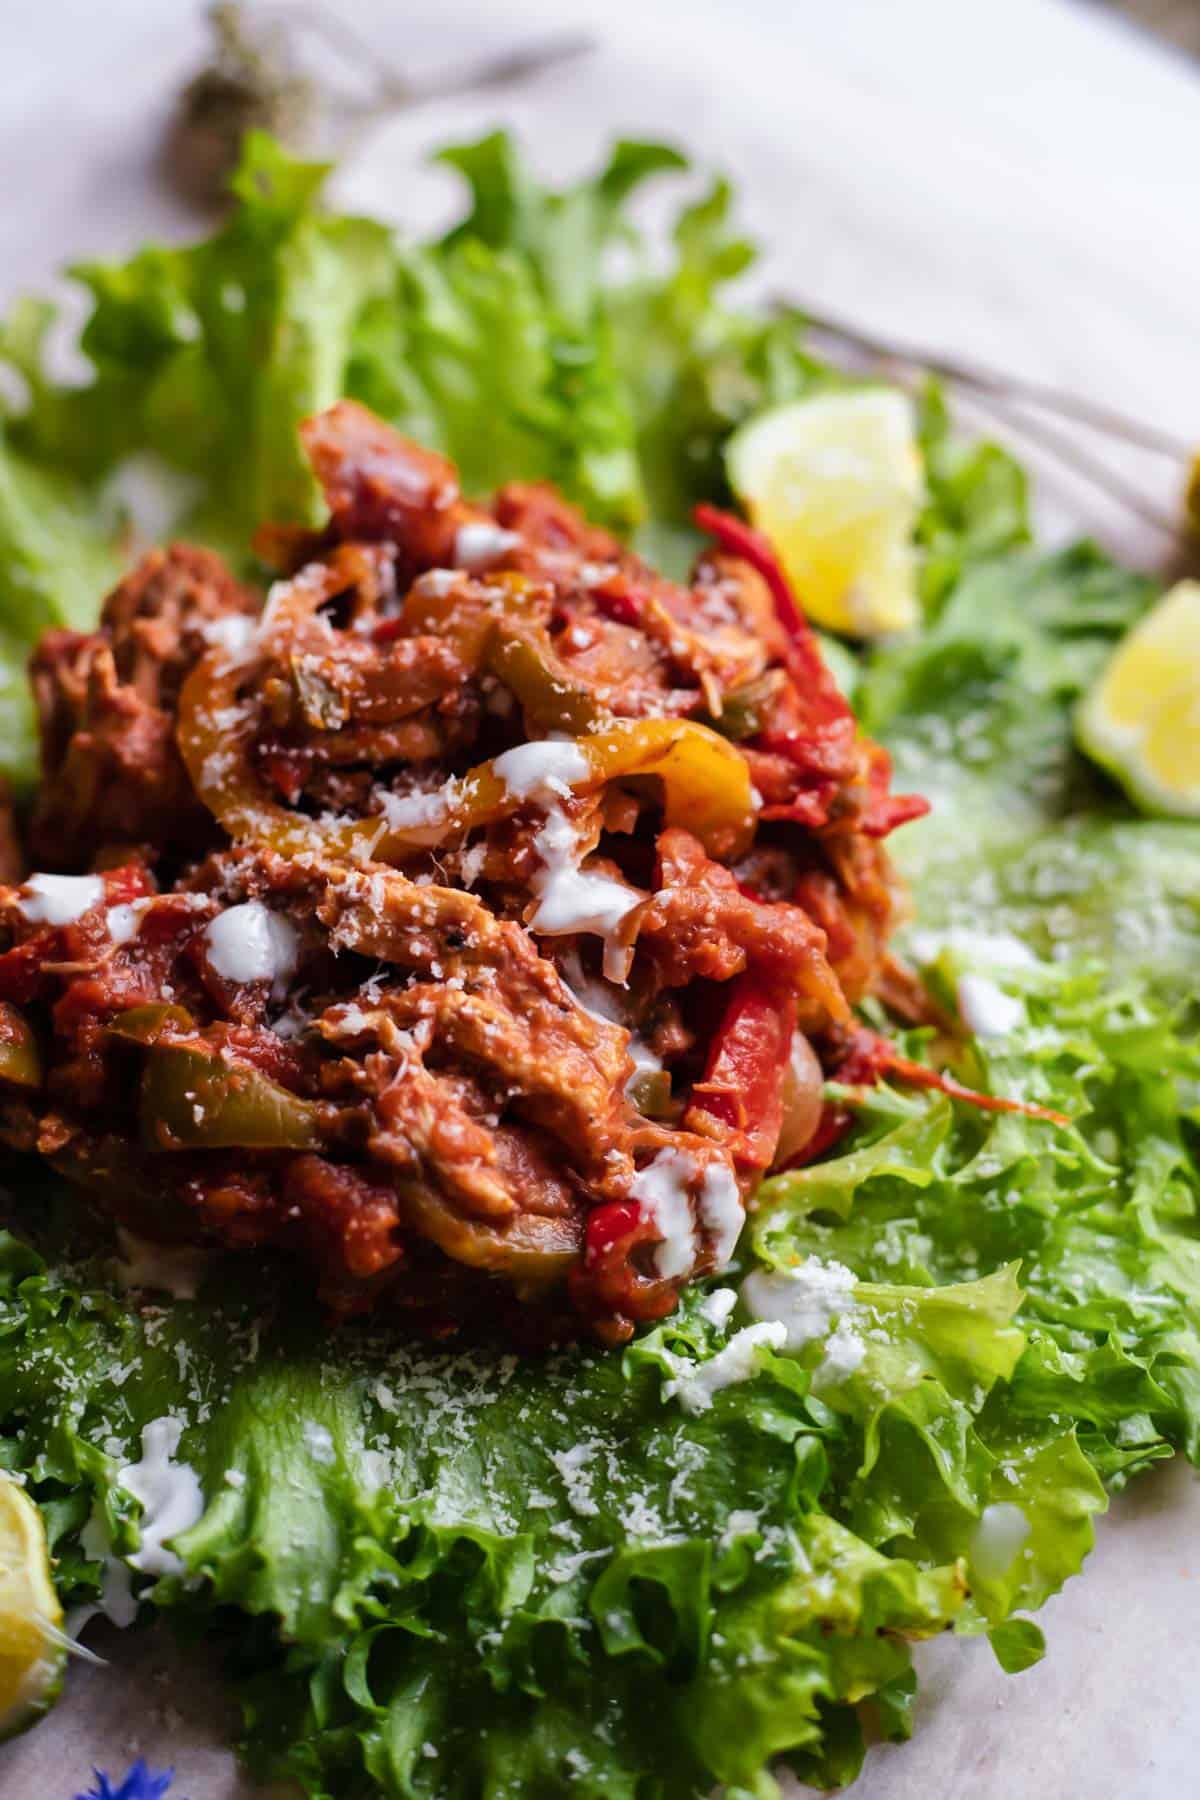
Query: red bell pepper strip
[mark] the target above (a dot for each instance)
(885, 810)
(871, 1057)
(752, 546)
(827, 721)
(742, 1088)
(606, 1285)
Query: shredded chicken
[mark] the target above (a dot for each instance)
(456, 911)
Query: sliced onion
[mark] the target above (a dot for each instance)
(803, 1086)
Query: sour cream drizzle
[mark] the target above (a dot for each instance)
(60, 899)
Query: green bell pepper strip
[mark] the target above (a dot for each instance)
(192, 1100)
(20, 1058)
(552, 697)
(146, 1024)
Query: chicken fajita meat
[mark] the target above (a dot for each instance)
(477, 918)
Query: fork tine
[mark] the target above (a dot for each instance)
(976, 375)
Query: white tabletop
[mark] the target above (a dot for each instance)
(1015, 180)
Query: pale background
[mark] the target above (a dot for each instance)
(1015, 180)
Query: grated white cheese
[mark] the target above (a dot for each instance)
(251, 943)
(985, 1009)
(842, 1357)
(404, 811)
(573, 1467)
(694, 1384)
(480, 543)
(319, 1440)
(176, 1268)
(234, 634)
(740, 1523)
(471, 863)
(721, 1211)
(807, 1299)
(171, 1496)
(59, 899)
(662, 1188)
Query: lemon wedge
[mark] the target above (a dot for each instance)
(32, 1648)
(1141, 720)
(835, 482)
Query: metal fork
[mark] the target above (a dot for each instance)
(1015, 398)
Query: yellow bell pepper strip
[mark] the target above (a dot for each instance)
(706, 783)
(193, 1100)
(20, 1058)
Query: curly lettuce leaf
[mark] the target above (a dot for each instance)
(569, 1553)
(458, 1571)
(518, 344)
(447, 1572)
(473, 1572)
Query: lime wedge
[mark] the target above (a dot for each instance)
(1141, 719)
(32, 1647)
(835, 482)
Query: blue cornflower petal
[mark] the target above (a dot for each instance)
(139, 1784)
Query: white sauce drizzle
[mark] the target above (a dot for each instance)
(545, 768)
(251, 943)
(60, 899)
(694, 1384)
(662, 1188)
(721, 1211)
(985, 1009)
(481, 542)
(177, 1269)
(125, 921)
(437, 583)
(116, 1585)
(997, 1539)
(571, 900)
(170, 1493)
